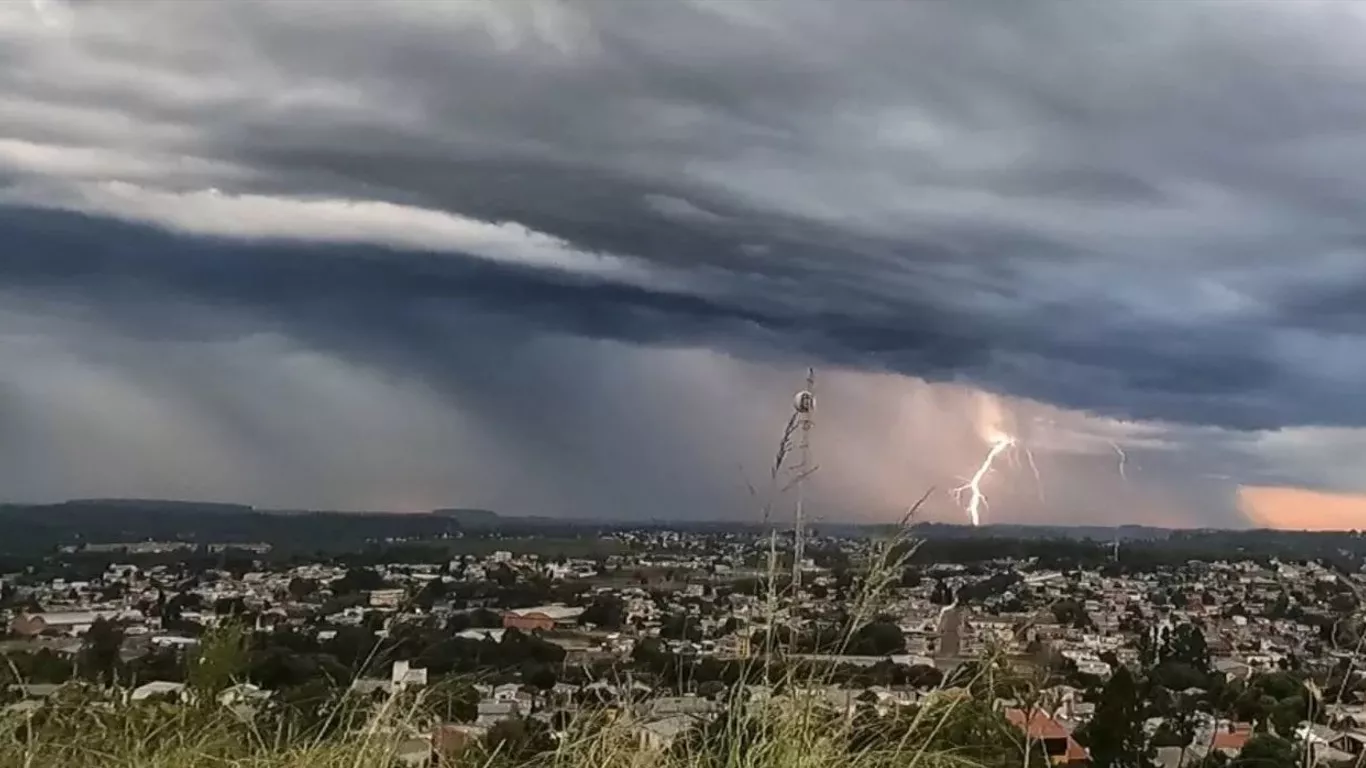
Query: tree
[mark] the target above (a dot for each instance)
(457, 623)
(1278, 685)
(1177, 729)
(1188, 647)
(503, 575)
(541, 677)
(230, 606)
(99, 654)
(606, 611)
(517, 740)
(679, 626)
(310, 707)
(1147, 646)
(357, 580)
(878, 638)
(971, 729)
(1168, 734)
(1177, 676)
(995, 585)
(156, 664)
(113, 591)
(451, 701)
(1115, 734)
(883, 673)
(1288, 713)
(941, 595)
(924, 676)
(427, 597)
(483, 618)
(301, 588)
(41, 666)
(1266, 750)
(1343, 603)
(172, 609)
(712, 689)
(714, 742)
(352, 646)
(1072, 613)
(220, 660)
(648, 652)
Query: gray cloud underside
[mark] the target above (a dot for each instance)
(1138, 210)
(402, 306)
(1143, 210)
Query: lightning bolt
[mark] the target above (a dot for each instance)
(1038, 481)
(1123, 459)
(976, 499)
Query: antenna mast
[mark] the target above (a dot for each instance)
(805, 404)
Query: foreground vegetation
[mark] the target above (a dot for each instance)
(960, 725)
(87, 727)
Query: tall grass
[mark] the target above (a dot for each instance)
(80, 730)
(790, 732)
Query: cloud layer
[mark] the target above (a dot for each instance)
(554, 255)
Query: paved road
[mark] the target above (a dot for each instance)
(949, 640)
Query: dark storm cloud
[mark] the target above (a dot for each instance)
(397, 300)
(1190, 163)
(363, 298)
(1143, 210)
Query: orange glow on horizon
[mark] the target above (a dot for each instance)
(1302, 510)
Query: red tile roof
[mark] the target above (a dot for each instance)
(1233, 741)
(1043, 727)
(1041, 724)
(1076, 753)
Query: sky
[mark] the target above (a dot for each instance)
(574, 259)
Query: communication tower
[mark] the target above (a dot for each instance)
(804, 404)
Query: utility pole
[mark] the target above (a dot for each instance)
(805, 404)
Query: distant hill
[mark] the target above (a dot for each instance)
(1016, 531)
(470, 517)
(31, 529)
(154, 505)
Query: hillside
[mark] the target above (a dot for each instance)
(472, 518)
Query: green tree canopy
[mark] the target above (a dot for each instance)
(1115, 734)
